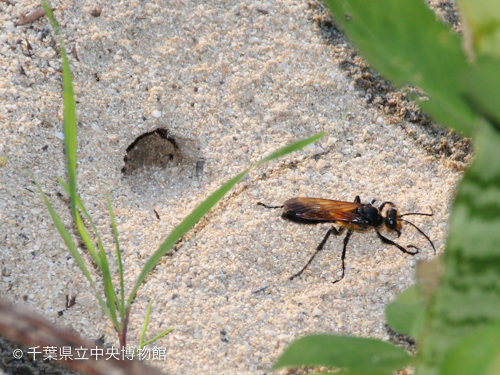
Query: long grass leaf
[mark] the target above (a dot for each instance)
(294, 146)
(118, 258)
(145, 324)
(69, 112)
(205, 206)
(71, 247)
(108, 288)
(157, 337)
(143, 343)
(81, 207)
(82, 231)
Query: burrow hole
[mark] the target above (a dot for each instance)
(157, 163)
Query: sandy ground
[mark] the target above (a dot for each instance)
(230, 81)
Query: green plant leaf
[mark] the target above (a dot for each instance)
(468, 298)
(407, 312)
(350, 353)
(205, 206)
(406, 44)
(483, 89)
(481, 26)
(477, 354)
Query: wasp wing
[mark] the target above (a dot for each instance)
(323, 209)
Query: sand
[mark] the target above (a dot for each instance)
(231, 82)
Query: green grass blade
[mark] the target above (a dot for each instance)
(294, 146)
(158, 336)
(71, 247)
(108, 288)
(70, 148)
(143, 343)
(145, 324)
(82, 229)
(111, 299)
(204, 207)
(69, 113)
(118, 258)
(65, 235)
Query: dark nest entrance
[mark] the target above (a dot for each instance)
(155, 148)
(158, 163)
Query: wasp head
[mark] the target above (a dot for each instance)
(392, 222)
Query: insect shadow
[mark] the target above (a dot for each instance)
(351, 216)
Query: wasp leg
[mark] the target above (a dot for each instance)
(390, 242)
(318, 249)
(357, 199)
(266, 206)
(346, 241)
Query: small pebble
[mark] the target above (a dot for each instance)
(216, 318)
(113, 138)
(317, 312)
(9, 26)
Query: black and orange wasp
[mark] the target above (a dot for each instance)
(351, 216)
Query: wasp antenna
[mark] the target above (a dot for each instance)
(384, 204)
(421, 232)
(266, 206)
(417, 213)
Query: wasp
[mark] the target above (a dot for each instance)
(351, 217)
